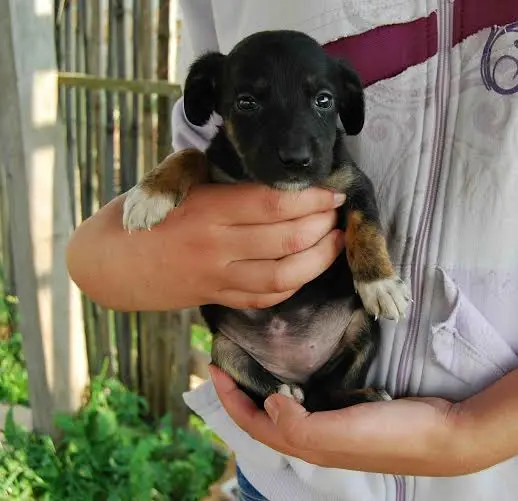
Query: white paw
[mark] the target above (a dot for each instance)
(143, 210)
(292, 391)
(387, 298)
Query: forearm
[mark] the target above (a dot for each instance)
(120, 271)
(490, 420)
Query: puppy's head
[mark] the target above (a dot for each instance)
(280, 96)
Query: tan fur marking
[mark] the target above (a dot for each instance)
(370, 394)
(231, 358)
(340, 180)
(311, 81)
(177, 173)
(236, 362)
(366, 249)
(357, 323)
(231, 135)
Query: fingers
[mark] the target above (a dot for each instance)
(245, 413)
(288, 427)
(289, 273)
(258, 204)
(302, 430)
(274, 241)
(239, 404)
(291, 419)
(401, 437)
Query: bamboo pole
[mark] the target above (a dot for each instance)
(181, 365)
(147, 321)
(70, 134)
(108, 191)
(95, 34)
(87, 111)
(163, 101)
(136, 100)
(147, 87)
(122, 320)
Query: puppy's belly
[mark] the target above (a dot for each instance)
(294, 345)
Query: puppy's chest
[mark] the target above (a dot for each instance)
(292, 345)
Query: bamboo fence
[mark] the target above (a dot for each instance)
(116, 101)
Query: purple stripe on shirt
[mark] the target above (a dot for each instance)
(471, 16)
(386, 51)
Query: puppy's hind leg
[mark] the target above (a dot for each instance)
(340, 383)
(251, 377)
(163, 189)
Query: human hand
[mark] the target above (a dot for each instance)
(243, 246)
(248, 246)
(411, 436)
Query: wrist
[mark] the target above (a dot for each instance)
(486, 425)
(467, 433)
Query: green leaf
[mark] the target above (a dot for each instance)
(14, 434)
(110, 449)
(102, 425)
(67, 424)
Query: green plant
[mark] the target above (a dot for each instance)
(201, 338)
(13, 373)
(109, 452)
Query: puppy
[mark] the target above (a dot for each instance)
(286, 107)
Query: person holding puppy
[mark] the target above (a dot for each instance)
(439, 145)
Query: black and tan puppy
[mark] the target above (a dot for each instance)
(280, 97)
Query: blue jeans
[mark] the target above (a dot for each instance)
(247, 492)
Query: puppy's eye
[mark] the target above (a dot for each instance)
(246, 103)
(324, 100)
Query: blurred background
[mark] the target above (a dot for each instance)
(91, 401)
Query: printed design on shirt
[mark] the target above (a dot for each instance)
(495, 72)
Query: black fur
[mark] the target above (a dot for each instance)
(289, 140)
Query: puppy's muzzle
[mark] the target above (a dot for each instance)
(296, 158)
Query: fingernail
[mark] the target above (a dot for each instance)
(272, 408)
(339, 199)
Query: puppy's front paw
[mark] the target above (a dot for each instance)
(144, 209)
(388, 297)
(292, 391)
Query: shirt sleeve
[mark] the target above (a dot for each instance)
(186, 135)
(198, 36)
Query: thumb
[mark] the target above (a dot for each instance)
(290, 418)
(283, 410)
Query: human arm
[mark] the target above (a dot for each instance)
(240, 246)
(410, 436)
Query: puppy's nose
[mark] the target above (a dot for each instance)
(295, 157)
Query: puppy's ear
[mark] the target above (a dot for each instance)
(202, 87)
(351, 102)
